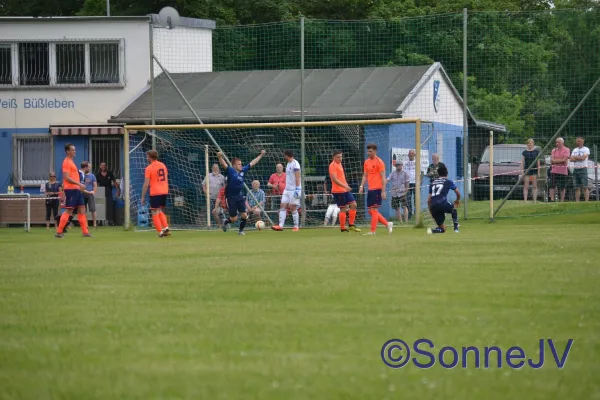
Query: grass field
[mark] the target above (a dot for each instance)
(209, 315)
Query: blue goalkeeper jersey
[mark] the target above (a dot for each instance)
(235, 181)
(439, 189)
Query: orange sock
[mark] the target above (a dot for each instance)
(342, 216)
(381, 219)
(352, 214)
(64, 219)
(157, 225)
(373, 212)
(83, 223)
(163, 219)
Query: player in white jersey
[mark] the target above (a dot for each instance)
(291, 194)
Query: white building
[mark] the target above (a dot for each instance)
(62, 78)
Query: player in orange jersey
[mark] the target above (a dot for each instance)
(374, 175)
(73, 194)
(342, 193)
(157, 177)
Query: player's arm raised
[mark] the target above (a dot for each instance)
(222, 160)
(257, 159)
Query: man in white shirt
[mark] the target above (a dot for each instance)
(410, 167)
(291, 194)
(579, 156)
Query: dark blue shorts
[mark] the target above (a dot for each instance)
(73, 198)
(374, 198)
(236, 205)
(343, 199)
(158, 201)
(439, 211)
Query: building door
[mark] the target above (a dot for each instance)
(108, 150)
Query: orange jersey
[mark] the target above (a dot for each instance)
(69, 167)
(373, 169)
(159, 178)
(336, 169)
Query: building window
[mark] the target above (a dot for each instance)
(5, 64)
(34, 64)
(70, 63)
(62, 63)
(32, 159)
(104, 62)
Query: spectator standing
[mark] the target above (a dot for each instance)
(399, 181)
(91, 185)
(529, 156)
(432, 170)
(106, 179)
(216, 181)
(52, 189)
(411, 168)
(580, 156)
(251, 204)
(560, 171)
(277, 185)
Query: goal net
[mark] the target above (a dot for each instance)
(190, 153)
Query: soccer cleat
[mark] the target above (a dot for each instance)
(390, 227)
(456, 231)
(369, 234)
(429, 231)
(166, 232)
(354, 229)
(225, 226)
(295, 229)
(59, 235)
(277, 228)
(161, 234)
(241, 233)
(87, 235)
(344, 230)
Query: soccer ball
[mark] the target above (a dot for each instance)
(259, 225)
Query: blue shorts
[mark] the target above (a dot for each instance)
(158, 201)
(73, 198)
(439, 211)
(374, 198)
(343, 199)
(236, 205)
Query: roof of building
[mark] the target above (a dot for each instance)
(183, 21)
(348, 93)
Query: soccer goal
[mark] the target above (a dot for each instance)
(190, 151)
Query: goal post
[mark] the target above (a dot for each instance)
(188, 150)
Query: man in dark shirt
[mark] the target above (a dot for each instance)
(432, 170)
(107, 180)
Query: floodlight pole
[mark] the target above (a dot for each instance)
(302, 128)
(152, 110)
(466, 175)
(108, 8)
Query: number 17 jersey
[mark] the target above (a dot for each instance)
(439, 189)
(158, 175)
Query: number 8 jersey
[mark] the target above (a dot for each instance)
(158, 175)
(439, 188)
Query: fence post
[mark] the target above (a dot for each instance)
(491, 176)
(302, 129)
(467, 180)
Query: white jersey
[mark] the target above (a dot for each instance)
(290, 175)
(579, 152)
(410, 167)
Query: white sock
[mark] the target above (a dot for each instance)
(282, 216)
(295, 217)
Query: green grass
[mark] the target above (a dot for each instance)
(209, 315)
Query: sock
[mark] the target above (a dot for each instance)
(455, 218)
(227, 221)
(163, 220)
(342, 216)
(282, 215)
(381, 219)
(374, 219)
(83, 223)
(156, 220)
(352, 214)
(296, 218)
(64, 220)
(243, 223)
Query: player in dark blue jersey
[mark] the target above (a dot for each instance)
(438, 203)
(234, 190)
